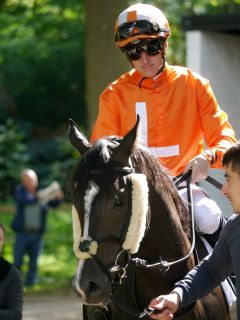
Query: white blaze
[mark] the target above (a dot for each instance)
(90, 194)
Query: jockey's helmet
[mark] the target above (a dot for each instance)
(140, 21)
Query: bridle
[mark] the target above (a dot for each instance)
(120, 271)
(162, 265)
(116, 272)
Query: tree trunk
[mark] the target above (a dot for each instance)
(104, 61)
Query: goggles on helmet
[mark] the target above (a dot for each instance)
(139, 27)
(151, 46)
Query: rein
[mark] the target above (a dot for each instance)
(165, 265)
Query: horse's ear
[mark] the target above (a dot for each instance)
(77, 138)
(124, 150)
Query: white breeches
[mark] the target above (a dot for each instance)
(207, 213)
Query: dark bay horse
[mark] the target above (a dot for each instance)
(125, 205)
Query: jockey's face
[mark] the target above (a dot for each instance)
(231, 188)
(148, 66)
(146, 56)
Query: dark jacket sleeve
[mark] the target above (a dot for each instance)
(13, 297)
(22, 197)
(54, 203)
(210, 273)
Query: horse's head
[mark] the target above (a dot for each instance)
(110, 202)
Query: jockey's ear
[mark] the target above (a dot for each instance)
(123, 151)
(77, 138)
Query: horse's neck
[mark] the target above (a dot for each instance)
(165, 230)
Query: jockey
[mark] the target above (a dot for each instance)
(178, 111)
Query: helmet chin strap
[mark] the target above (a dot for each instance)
(160, 70)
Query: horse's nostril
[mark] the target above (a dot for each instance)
(93, 286)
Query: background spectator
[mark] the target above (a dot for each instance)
(29, 222)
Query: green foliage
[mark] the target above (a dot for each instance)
(42, 85)
(57, 262)
(215, 6)
(13, 156)
(42, 60)
(53, 159)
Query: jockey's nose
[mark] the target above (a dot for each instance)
(144, 57)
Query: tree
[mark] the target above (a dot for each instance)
(42, 60)
(13, 156)
(104, 62)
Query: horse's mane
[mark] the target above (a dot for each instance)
(99, 155)
(156, 172)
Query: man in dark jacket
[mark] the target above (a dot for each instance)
(30, 220)
(11, 291)
(224, 259)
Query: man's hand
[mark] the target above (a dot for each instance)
(199, 166)
(167, 306)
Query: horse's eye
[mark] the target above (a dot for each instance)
(118, 201)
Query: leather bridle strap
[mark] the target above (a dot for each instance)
(111, 170)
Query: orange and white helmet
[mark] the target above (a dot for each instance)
(140, 21)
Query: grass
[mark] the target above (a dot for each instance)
(57, 263)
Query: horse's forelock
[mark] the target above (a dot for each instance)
(97, 156)
(102, 147)
(98, 153)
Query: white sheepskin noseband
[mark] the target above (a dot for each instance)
(138, 220)
(78, 239)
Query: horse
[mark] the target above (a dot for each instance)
(127, 209)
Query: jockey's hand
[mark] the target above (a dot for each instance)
(167, 306)
(199, 166)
